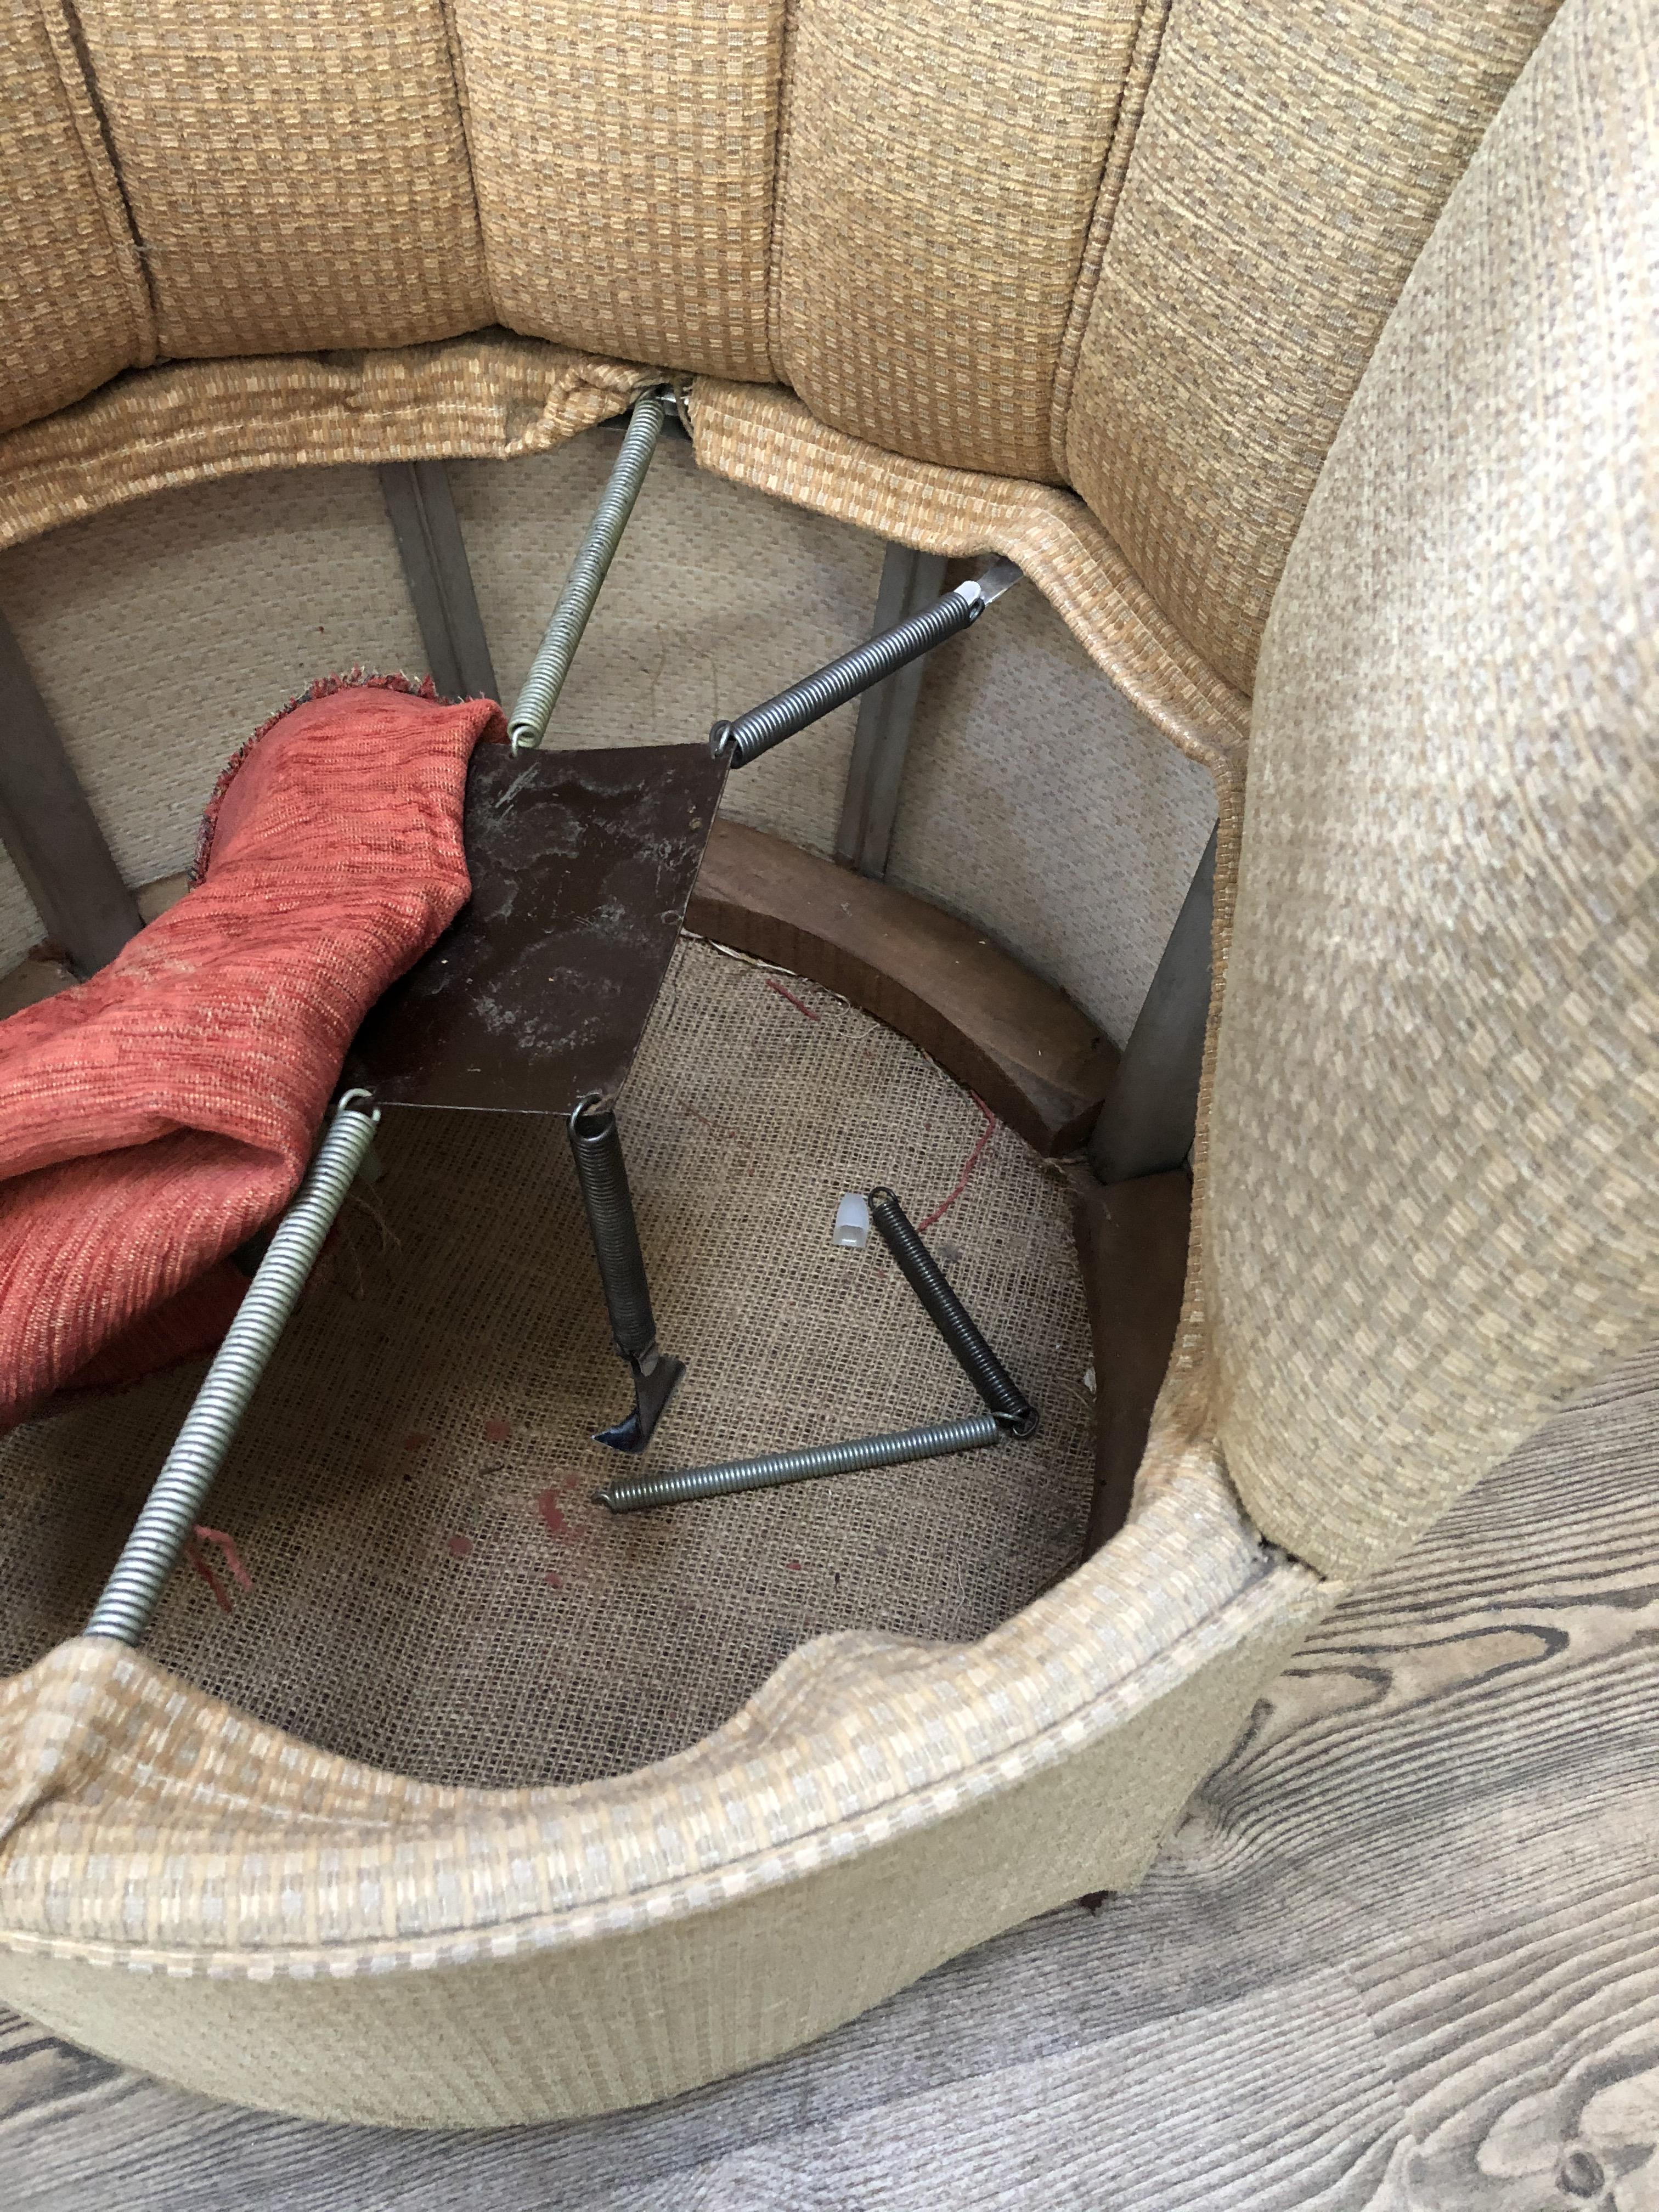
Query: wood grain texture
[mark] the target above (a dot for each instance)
(1038, 1063)
(1402, 1956)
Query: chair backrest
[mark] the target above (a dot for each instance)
(1429, 1209)
(1140, 249)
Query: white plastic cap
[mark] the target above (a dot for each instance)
(852, 1221)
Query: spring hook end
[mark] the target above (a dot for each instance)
(656, 1379)
(1006, 1403)
(596, 1147)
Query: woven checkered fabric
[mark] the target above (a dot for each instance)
(1430, 1210)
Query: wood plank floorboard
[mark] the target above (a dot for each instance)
(1402, 1956)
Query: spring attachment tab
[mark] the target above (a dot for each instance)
(596, 1147)
(755, 732)
(1008, 1406)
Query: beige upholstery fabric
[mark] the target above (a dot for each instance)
(1286, 171)
(135, 625)
(767, 438)
(624, 170)
(1032, 238)
(20, 925)
(1431, 1210)
(227, 1906)
(1038, 804)
(940, 168)
(185, 424)
(73, 307)
(297, 174)
(1154, 15)
(1428, 1145)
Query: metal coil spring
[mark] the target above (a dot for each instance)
(739, 742)
(602, 1175)
(995, 1384)
(171, 1510)
(632, 1494)
(541, 687)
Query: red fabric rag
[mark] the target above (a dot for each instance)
(152, 1118)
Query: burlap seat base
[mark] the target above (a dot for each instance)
(434, 1589)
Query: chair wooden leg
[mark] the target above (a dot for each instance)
(1132, 1249)
(1150, 1106)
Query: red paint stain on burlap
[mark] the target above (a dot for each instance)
(460, 1547)
(497, 1432)
(553, 1520)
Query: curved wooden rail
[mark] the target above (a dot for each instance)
(1038, 1064)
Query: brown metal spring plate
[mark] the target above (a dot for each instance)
(538, 994)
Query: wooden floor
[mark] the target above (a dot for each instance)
(1404, 1954)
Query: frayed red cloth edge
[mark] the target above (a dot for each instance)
(398, 877)
(323, 687)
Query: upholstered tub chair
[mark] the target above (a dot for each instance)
(1306, 361)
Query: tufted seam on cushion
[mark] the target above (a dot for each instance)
(62, 23)
(781, 108)
(464, 103)
(623, 161)
(944, 170)
(1125, 127)
(1310, 145)
(296, 171)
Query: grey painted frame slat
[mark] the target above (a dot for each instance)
(1149, 1115)
(421, 509)
(910, 581)
(49, 829)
